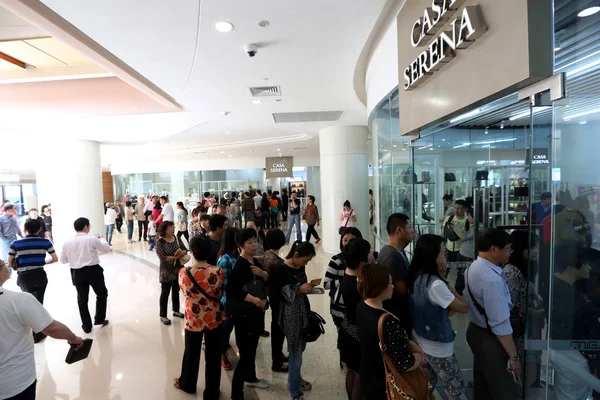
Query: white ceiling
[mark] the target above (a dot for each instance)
(310, 49)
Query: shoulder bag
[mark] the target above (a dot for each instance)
(343, 228)
(407, 385)
(197, 285)
(449, 234)
(517, 322)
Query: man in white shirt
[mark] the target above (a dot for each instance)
(20, 313)
(82, 254)
(258, 199)
(168, 214)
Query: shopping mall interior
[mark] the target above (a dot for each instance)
(395, 106)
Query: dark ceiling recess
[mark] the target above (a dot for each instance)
(310, 116)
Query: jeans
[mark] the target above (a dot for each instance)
(294, 374)
(190, 366)
(152, 242)
(109, 233)
(245, 371)
(129, 229)
(143, 226)
(83, 278)
(6, 242)
(312, 232)
(294, 220)
(165, 289)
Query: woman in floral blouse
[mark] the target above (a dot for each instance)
(311, 216)
(169, 253)
(204, 317)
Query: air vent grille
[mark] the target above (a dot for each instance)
(310, 116)
(265, 91)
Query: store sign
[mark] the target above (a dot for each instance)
(279, 167)
(466, 27)
(540, 157)
(515, 50)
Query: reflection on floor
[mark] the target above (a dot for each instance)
(136, 357)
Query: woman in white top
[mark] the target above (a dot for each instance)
(347, 216)
(110, 217)
(432, 302)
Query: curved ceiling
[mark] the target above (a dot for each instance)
(309, 50)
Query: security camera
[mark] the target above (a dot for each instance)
(251, 50)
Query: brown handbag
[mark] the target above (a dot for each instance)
(407, 385)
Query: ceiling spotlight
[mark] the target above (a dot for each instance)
(222, 152)
(589, 11)
(395, 145)
(224, 26)
(226, 112)
(502, 125)
(264, 23)
(403, 149)
(230, 155)
(256, 101)
(278, 149)
(486, 129)
(252, 151)
(229, 132)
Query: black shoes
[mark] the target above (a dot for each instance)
(103, 323)
(178, 314)
(283, 369)
(87, 330)
(165, 321)
(265, 334)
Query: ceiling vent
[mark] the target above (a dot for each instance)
(265, 91)
(299, 148)
(311, 116)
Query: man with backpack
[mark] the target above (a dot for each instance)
(455, 229)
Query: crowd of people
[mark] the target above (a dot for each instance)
(392, 310)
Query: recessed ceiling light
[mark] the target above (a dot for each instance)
(264, 23)
(256, 101)
(403, 149)
(222, 152)
(228, 132)
(589, 11)
(395, 145)
(230, 155)
(278, 149)
(224, 26)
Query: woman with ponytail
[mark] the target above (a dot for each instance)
(355, 254)
(289, 286)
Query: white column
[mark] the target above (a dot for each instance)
(344, 176)
(71, 180)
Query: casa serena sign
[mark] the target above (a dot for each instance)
(441, 47)
(279, 167)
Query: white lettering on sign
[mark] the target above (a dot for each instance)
(540, 159)
(464, 30)
(279, 168)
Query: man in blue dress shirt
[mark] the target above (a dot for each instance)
(9, 229)
(496, 367)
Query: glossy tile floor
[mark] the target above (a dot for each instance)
(136, 357)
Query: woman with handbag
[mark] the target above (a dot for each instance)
(347, 217)
(355, 254)
(171, 258)
(290, 287)
(182, 222)
(311, 216)
(390, 362)
(432, 301)
(202, 285)
(246, 302)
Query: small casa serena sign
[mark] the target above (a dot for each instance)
(279, 167)
(463, 28)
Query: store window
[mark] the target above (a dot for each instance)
(392, 190)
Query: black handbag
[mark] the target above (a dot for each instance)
(314, 329)
(343, 228)
(449, 234)
(449, 177)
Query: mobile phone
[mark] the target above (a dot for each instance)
(315, 282)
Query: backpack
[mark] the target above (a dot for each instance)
(449, 234)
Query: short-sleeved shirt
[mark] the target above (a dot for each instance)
(397, 262)
(31, 253)
(20, 313)
(168, 213)
(215, 246)
(439, 295)
(201, 312)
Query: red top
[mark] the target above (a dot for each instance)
(311, 214)
(202, 313)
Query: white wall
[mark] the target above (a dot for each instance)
(123, 166)
(382, 72)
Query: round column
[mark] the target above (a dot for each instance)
(344, 176)
(71, 180)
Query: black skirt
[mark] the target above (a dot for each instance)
(349, 350)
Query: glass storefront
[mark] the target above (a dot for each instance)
(527, 165)
(190, 186)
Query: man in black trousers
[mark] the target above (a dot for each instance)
(82, 254)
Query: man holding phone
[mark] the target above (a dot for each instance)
(21, 313)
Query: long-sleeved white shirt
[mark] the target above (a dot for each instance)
(83, 251)
(110, 216)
